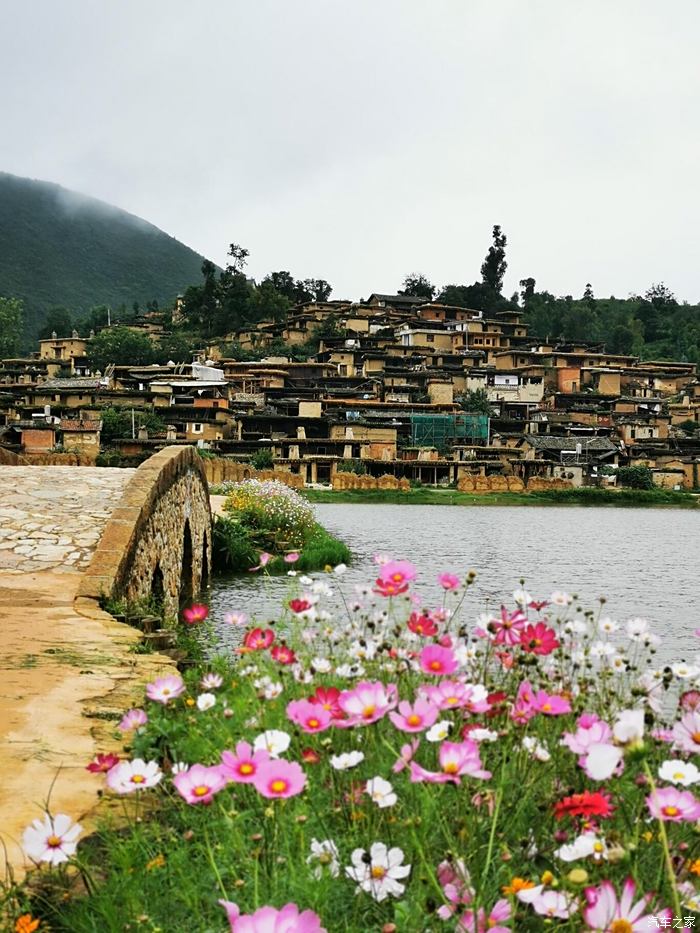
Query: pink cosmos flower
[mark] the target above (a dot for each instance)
(550, 704)
(263, 561)
(165, 689)
(686, 733)
(406, 756)
(672, 805)
(130, 776)
(195, 614)
(449, 581)
(367, 703)
(283, 655)
(270, 920)
(456, 759)
(258, 639)
(198, 784)
(690, 700)
(292, 557)
(101, 764)
(397, 572)
(606, 912)
(590, 731)
(415, 718)
(538, 639)
(311, 717)
(132, 720)
(277, 778)
(437, 661)
(328, 698)
(235, 618)
(508, 628)
(548, 903)
(422, 623)
(388, 588)
(242, 766)
(481, 923)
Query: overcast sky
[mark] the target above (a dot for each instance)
(358, 140)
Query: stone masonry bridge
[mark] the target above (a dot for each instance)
(70, 537)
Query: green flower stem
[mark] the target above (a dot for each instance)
(663, 835)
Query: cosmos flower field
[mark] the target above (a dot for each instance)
(370, 763)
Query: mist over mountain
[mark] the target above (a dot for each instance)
(58, 247)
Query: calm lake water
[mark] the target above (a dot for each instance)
(644, 561)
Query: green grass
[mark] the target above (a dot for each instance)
(582, 496)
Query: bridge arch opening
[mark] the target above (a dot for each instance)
(187, 566)
(205, 563)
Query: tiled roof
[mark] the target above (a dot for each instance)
(547, 442)
(86, 382)
(76, 424)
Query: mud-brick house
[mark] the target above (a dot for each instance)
(81, 434)
(31, 436)
(68, 393)
(65, 349)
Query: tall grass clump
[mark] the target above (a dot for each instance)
(370, 762)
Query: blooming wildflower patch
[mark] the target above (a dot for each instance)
(376, 763)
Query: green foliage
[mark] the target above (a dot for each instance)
(116, 423)
(58, 320)
(262, 459)
(277, 517)
(476, 400)
(417, 286)
(120, 346)
(352, 466)
(689, 426)
(493, 268)
(11, 315)
(233, 550)
(636, 477)
(60, 247)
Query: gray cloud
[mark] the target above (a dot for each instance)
(359, 141)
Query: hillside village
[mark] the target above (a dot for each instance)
(405, 388)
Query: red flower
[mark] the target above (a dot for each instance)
(422, 624)
(195, 614)
(299, 605)
(537, 606)
(310, 756)
(283, 655)
(102, 763)
(258, 639)
(389, 587)
(538, 639)
(327, 697)
(587, 805)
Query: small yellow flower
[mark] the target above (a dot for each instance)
(647, 836)
(189, 701)
(694, 867)
(517, 884)
(328, 569)
(156, 862)
(547, 877)
(26, 924)
(578, 876)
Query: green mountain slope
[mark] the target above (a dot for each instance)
(58, 247)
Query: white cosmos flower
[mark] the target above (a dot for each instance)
(679, 772)
(321, 588)
(381, 792)
(521, 597)
(607, 625)
(179, 767)
(272, 690)
(130, 776)
(439, 731)
(584, 846)
(305, 581)
(637, 629)
(684, 671)
(324, 855)
(536, 748)
(629, 726)
(273, 741)
(321, 665)
(482, 735)
(559, 598)
(350, 670)
(205, 701)
(346, 760)
(576, 627)
(601, 760)
(379, 875)
(51, 840)
(340, 569)
(602, 649)
(364, 650)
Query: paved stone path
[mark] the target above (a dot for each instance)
(65, 675)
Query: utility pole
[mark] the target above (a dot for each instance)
(133, 425)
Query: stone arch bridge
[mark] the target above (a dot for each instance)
(71, 537)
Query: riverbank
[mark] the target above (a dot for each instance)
(585, 496)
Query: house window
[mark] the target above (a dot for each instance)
(197, 428)
(430, 338)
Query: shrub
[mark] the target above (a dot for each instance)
(262, 459)
(352, 466)
(636, 477)
(275, 516)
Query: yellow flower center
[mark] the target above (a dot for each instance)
(670, 811)
(246, 768)
(137, 779)
(621, 926)
(452, 701)
(546, 707)
(678, 776)
(435, 665)
(313, 723)
(368, 711)
(450, 768)
(201, 790)
(695, 736)
(414, 720)
(53, 842)
(378, 872)
(279, 786)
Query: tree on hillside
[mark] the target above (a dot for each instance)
(588, 296)
(117, 423)
(96, 319)
(417, 285)
(527, 291)
(319, 288)
(58, 320)
(120, 346)
(476, 400)
(494, 266)
(11, 317)
(298, 291)
(266, 303)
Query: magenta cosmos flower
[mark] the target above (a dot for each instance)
(277, 778)
(606, 912)
(398, 572)
(457, 760)
(101, 764)
(538, 639)
(367, 703)
(686, 733)
(198, 784)
(242, 766)
(132, 720)
(311, 717)
(507, 629)
(673, 805)
(53, 840)
(448, 581)
(195, 614)
(493, 923)
(415, 718)
(453, 694)
(271, 920)
(165, 689)
(130, 776)
(437, 661)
